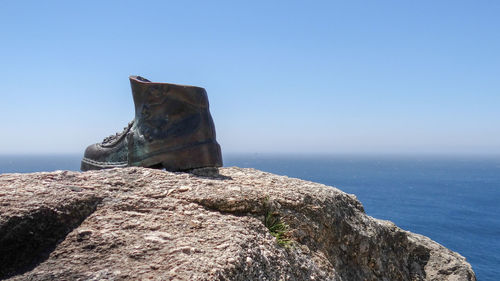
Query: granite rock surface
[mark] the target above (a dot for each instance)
(146, 224)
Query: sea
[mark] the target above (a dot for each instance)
(454, 200)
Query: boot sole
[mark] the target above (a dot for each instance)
(181, 159)
(89, 164)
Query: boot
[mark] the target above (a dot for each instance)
(172, 129)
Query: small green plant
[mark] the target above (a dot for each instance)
(277, 228)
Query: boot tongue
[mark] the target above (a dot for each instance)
(113, 138)
(140, 78)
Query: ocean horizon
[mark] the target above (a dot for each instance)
(451, 199)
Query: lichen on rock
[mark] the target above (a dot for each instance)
(138, 223)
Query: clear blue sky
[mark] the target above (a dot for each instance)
(282, 76)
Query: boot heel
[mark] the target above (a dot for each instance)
(197, 156)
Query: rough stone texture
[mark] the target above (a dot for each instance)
(145, 224)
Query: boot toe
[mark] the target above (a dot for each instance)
(97, 157)
(92, 152)
(91, 159)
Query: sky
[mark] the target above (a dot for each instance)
(388, 77)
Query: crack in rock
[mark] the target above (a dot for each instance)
(27, 240)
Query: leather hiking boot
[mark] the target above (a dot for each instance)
(172, 129)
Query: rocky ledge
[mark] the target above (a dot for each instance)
(244, 224)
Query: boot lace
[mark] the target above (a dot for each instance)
(110, 139)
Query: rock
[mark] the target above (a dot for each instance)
(137, 223)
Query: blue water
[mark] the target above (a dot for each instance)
(452, 200)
